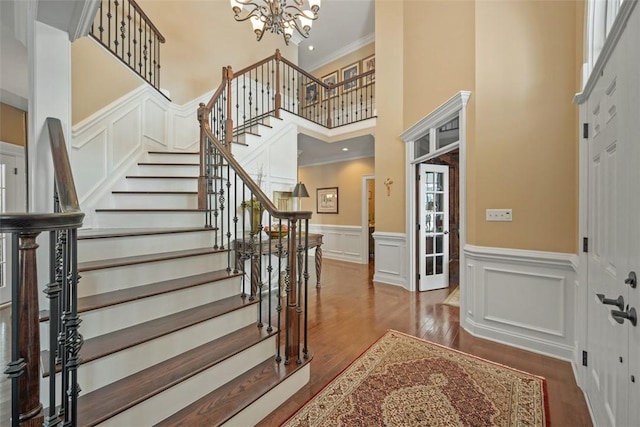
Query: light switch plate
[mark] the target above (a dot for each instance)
(499, 215)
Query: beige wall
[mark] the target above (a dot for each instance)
(13, 125)
(347, 176)
(525, 152)
(521, 61)
(202, 37)
(389, 147)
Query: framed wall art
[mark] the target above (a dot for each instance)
(327, 200)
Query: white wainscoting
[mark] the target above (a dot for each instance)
(107, 144)
(341, 242)
(390, 255)
(521, 298)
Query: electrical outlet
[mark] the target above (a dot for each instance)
(499, 215)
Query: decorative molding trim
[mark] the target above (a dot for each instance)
(522, 257)
(335, 160)
(390, 258)
(609, 45)
(341, 242)
(9, 149)
(500, 280)
(448, 108)
(345, 50)
(84, 13)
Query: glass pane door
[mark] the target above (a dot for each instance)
(434, 227)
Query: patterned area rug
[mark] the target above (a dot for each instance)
(453, 299)
(405, 381)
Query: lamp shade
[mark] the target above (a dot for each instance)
(300, 190)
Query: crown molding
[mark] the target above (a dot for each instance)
(337, 54)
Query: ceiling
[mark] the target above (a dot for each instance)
(342, 26)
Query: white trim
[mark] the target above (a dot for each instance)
(455, 104)
(448, 108)
(345, 50)
(341, 242)
(82, 18)
(390, 261)
(332, 160)
(609, 45)
(509, 285)
(523, 256)
(11, 149)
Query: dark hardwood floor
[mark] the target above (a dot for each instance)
(350, 312)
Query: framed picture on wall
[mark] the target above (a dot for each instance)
(311, 93)
(331, 79)
(348, 72)
(369, 64)
(327, 200)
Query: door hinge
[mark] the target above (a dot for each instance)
(418, 227)
(15, 171)
(584, 358)
(585, 130)
(418, 177)
(585, 244)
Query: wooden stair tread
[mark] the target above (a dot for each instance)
(141, 259)
(150, 210)
(101, 404)
(152, 192)
(105, 233)
(174, 152)
(166, 164)
(222, 404)
(113, 342)
(107, 299)
(159, 177)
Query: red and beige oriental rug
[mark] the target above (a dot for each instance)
(405, 381)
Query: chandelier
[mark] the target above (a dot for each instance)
(277, 16)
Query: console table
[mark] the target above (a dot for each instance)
(246, 249)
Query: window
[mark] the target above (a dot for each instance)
(440, 137)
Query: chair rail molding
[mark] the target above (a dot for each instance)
(390, 258)
(521, 298)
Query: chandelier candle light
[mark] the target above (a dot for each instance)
(277, 16)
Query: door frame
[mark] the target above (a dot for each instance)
(365, 217)
(455, 104)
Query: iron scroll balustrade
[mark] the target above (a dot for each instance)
(64, 338)
(240, 212)
(122, 27)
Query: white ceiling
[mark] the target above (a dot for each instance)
(342, 26)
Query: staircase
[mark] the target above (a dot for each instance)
(170, 336)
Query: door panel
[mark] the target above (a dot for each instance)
(433, 241)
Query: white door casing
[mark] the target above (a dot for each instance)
(433, 240)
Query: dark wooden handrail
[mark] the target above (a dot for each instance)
(254, 66)
(62, 168)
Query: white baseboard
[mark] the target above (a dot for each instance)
(521, 298)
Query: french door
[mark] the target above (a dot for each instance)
(433, 241)
(8, 185)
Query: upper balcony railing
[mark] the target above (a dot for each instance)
(123, 28)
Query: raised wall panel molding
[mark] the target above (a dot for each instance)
(521, 298)
(390, 251)
(341, 242)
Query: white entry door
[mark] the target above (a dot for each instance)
(433, 241)
(613, 341)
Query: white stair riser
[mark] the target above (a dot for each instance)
(148, 219)
(155, 201)
(112, 279)
(172, 158)
(266, 404)
(115, 247)
(113, 318)
(165, 404)
(157, 184)
(173, 170)
(98, 373)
